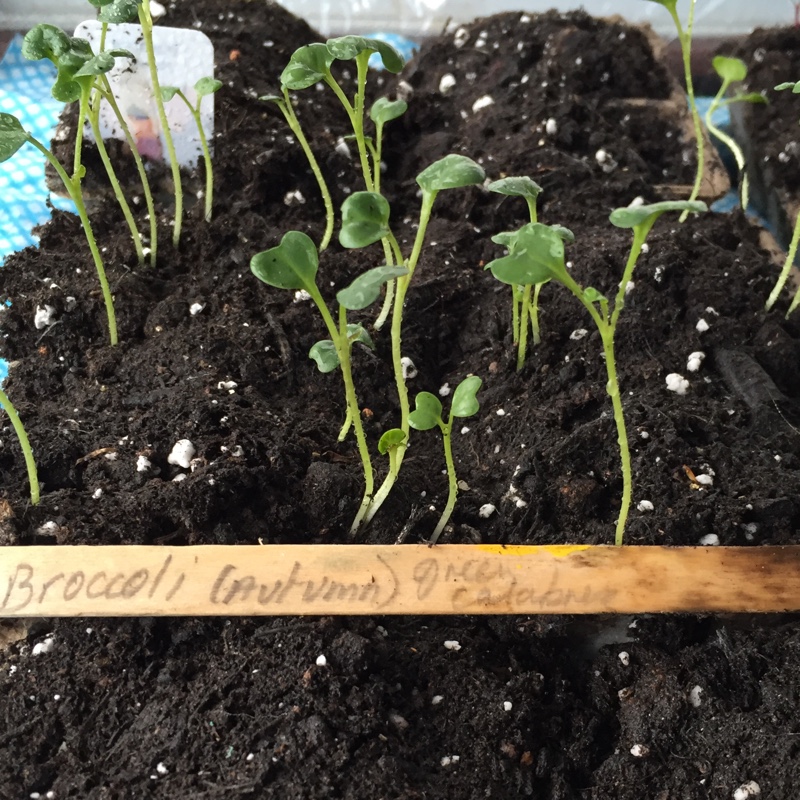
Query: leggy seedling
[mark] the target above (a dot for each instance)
(790, 256)
(732, 70)
(12, 137)
(427, 414)
(537, 254)
(25, 444)
(685, 40)
(293, 264)
(203, 88)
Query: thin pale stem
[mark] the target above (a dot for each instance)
(515, 303)
(523, 326)
(787, 268)
(537, 336)
(83, 110)
(27, 452)
(452, 482)
(146, 22)
(348, 423)
(75, 193)
(729, 141)
(198, 121)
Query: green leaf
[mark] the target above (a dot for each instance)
(100, 3)
(365, 219)
(357, 333)
(271, 98)
(747, 97)
(633, 216)
(207, 86)
(465, 403)
(427, 413)
(384, 110)
(536, 256)
(668, 4)
(794, 86)
(45, 41)
(451, 172)
(291, 265)
(505, 238)
(96, 65)
(593, 296)
(307, 66)
(366, 288)
(565, 233)
(522, 186)
(168, 92)
(346, 48)
(325, 355)
(391, 440)
(12, 136)
(119, 11)
(729, 69)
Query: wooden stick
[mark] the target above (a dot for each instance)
(64, 581)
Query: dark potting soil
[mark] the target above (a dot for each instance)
(527, 707)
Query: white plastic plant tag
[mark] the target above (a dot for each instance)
(183, 57)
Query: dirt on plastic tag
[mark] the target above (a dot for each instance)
(183, 57)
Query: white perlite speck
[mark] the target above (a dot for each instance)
(182, 454)
(342, 148)
(677, 383)
(44, 317)
(702, 326)
(461, 37)
(444, 390)
(747, 790)
(645, 505)
(578, 334)
(196, 308)
(482, 102)
(507, 705)
(452, 644)
(436, 699)
(640, 750)
(321, 661)
(143, 464)
(447, 83)
(47, 528)
(446, 761)
(229, 385)
(486, 510)
(695, 360)
(709, 540)
(161, 768)
(301, 296)
(551, 127)
(705, 480)
(408, 368)
(42, 648)
(695, 699)
(625, 658)
(292, 198)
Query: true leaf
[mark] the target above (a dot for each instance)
(592, 295)
(384, 110)
(465, 403)
(96, 65)
(358, 333)
(307, 66)
(729, 69)
(633, 216)
(168, 92)
(206, 86)
(291, 265)
(505, 238)
(12, 136)
(521, 186)
(346, 48)
(537, 255)
(366, 288)
(451, 172)
(365, 219)
(391, 440)
(324, 355)
(565, 233)
(427, 413)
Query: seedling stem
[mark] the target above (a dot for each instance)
(25, 444)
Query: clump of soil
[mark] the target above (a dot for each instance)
(531, 707)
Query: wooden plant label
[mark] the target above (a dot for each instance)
(130, 580)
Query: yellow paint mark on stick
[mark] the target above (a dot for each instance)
(556, 550)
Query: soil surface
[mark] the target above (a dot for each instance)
(528, 707)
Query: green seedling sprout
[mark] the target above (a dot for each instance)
(522, 307)
(790, 256)
(203, 88)
(12, 137)
(25, 444)
(537, 254)
(731, 70)
(427, 414)
(293, 264)
(685, 40)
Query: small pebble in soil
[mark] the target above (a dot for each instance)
(645, 505)
(321, 661)
(486, 510)
(747, 790)
(629, 287)
(482, 102)
(196, 308)
(42, 648)
(625, 658)
(250, 757)
(709, 540)
(640, 751)
(677, 383)
(231, 386)
(500, 412)
(695, 360)
(183, 452)
(702, 326)
(447, 83)
(644, 435)
(451, 644)
(70, 303)
(179, 478)
(704, 480)
(44, 316)
(695, 698)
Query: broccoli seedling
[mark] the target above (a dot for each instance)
(27, 452)
(732, 70)
(536, 253)
(12, 137)
(790, 255)
(293, 264)
(427, 414)
(203, 88)
(685, 40)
